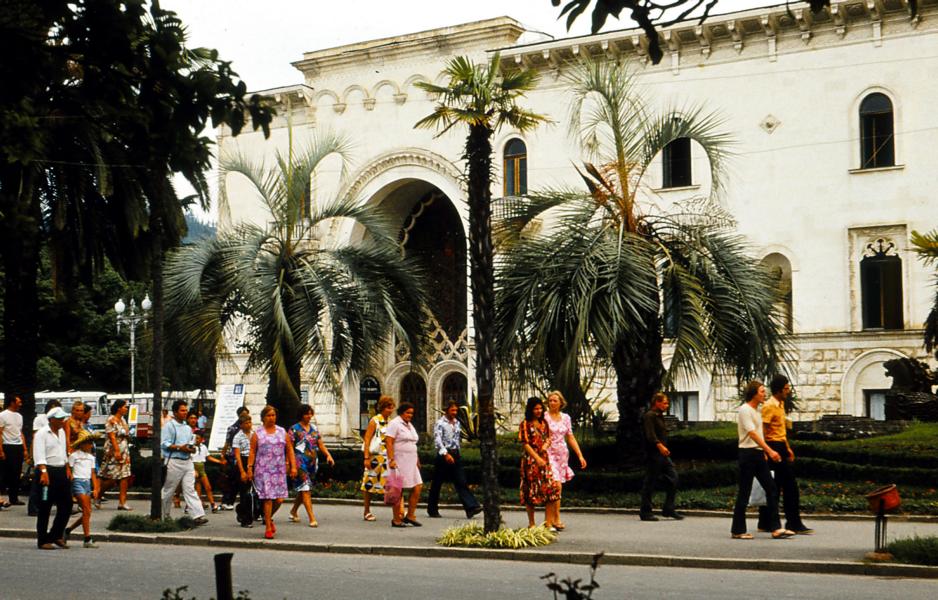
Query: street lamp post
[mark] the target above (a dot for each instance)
(131, 320)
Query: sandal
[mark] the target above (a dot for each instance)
(782, 534)
(123, 507)
(294, 518)
(742, 536)
(314, 523)
(370, 517)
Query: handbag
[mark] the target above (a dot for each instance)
(393, 488)
(375, 446)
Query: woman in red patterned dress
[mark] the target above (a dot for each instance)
(537, 483)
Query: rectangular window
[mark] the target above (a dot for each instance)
(877, 144)
(685, 406)
(676, 164)
(510, 177)
(875, 404)
(881, 284)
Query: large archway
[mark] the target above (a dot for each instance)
(414, 390)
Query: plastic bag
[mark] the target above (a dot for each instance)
(757, 495)
(393, 490)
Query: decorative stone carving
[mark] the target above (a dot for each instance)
(408, 157)
(769, 124)
(911, 394)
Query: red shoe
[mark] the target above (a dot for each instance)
(269, 534)
(273, 527)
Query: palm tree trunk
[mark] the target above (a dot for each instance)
(20, 243)
(157, 321)
(482, 274)
(285, 397)
(639, 373)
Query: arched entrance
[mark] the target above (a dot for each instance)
(454, 389)
(432, 234)
(414, 390)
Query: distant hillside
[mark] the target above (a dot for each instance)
(197, 229)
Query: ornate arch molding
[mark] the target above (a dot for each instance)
(437, 376)
(409, 157)
(396, 375)
(849, 400)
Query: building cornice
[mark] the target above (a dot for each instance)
(765, 27)
(488, 33)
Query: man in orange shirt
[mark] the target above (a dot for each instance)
(775, 432)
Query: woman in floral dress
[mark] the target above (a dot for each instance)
(115, 465)
(269, 463)
(561, 434)
(537, 484)
(306, 444)
(376, 463)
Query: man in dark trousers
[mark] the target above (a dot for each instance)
(658, 460)
(448, 465)
(50, 458)
(14, 450)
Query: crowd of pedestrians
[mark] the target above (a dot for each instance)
(262, 462)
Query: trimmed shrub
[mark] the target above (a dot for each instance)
(915, 550)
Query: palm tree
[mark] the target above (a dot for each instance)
(608, 277)
(926, 244)
(482, 98)
(306, 301)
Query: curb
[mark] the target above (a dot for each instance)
(578, 558)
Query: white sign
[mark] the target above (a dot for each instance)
(229, 399)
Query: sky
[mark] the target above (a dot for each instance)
(262, 37)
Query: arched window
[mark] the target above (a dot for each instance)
(877, 139)
(516, 168)
(881, 285)
(676, 164)
(780, 268)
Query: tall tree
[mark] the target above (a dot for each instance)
(104, 104)
(482, 98)
(608, 276)
(306, 301)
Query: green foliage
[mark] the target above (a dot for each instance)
(144, 524)
(49, 372)
(177, 594)
(472, 535)
(915, 550)
(295, 290)
(574, 589)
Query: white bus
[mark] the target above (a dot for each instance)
(98, 401)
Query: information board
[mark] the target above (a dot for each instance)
(228, 400)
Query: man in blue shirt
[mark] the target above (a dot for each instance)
(448, 466)
(177, 444)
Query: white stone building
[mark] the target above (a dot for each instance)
(835, 165)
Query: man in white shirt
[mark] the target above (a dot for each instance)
(178, 443)
(51, 458)
(39, 422)
(448, 465)
(752, 453)
(14, 449)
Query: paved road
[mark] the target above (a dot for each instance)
(835, 541)
(129, 571)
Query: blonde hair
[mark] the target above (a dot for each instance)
(384, 402)
(563, 401)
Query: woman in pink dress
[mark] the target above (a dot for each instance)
(401, 439)
(269, 462)
(561, 434)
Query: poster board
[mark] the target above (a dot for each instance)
(228, 400)
(133, 414)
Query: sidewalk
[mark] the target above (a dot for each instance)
(698, 541)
